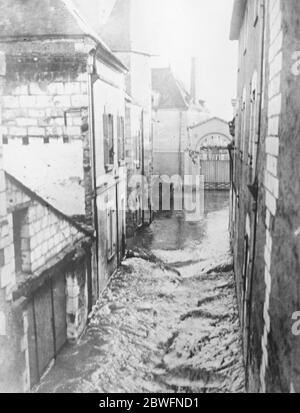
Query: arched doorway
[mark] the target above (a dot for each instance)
(214, 161)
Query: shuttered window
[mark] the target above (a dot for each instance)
(138, 150)
(121, 138)
(105, 139)
(108, 139)
(111, 232)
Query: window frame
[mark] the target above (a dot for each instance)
(108, 141)
(111, 240)
(19, 220)
(121, 139)
(138, 148)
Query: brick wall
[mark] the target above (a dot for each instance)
(271, 182)
(47, 234)
(46, 238)
(249, 235)
(272, 354)
(45, 102)
(38, 103)
(6, 278)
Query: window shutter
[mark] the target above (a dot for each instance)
(123, 137)
(114, 231)
(105, 140)
(109, 234)
(111, 139)
(119, 138)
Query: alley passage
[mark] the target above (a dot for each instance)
(168, 321)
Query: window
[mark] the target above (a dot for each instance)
(21, 241)
(108, 135)
(25, 140)
(111, 232)
(138, 150)
(2, 258)
(5, 140)
(121, 138)
(253, 127)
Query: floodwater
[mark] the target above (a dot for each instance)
(168, 321)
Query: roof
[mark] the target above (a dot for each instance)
(42, 201)
(171, 91)
(31, 19)
(237, 18)
(209, 120)
(116, 31)
(27, 18)
(127, 28)
(32, 166)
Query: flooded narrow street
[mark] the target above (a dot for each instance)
(168, 321)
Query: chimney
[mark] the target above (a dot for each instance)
(194, 80)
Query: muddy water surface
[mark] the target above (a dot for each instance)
(168, 321)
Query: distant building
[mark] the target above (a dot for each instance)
(265, 213)
(175, 110)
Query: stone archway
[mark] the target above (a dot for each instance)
(214, 161)
(213, 140)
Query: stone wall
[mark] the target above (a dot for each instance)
(248, 230)
(267, 313)
(45, 113)
(6, 281)
(47, 235)
(46, 239)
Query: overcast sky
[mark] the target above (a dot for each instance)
(185, 28)
(181, 29)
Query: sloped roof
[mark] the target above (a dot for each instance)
(116, 31)
(209, 120)
(30, 19)
(27, 18)
(237, 18)
(38, 198)
(58, 181)
(171, 92)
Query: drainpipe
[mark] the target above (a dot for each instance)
(143, 168)
(117, 223)
(255, 193)
(91, 73)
